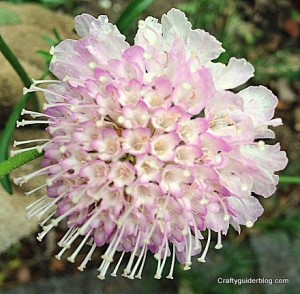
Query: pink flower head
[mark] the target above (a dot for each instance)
(148, 146)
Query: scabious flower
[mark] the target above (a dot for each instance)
(148, 146)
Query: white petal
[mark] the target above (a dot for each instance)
(236, 73)
(248, 209)
(205, 46)
(259, 103)
(175, 25)
(83, 23)
(149, 32)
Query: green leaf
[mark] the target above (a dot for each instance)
(8, 17)
(6, 139)
(132, 13)
(9, 165)
(10, 126)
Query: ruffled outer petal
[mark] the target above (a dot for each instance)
(259, 103)
(264, 160)
(236, 73)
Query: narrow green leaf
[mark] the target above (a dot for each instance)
(132, 13)
(9, 165)
(289, 180)
(6, 139)
(10, 126)
(57, 36)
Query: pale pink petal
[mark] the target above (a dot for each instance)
(172, 179)
(175, 25)
(121, 174)
(136, 141)
(259, 103)
(203, 45)
(264, 160)
(83, 23)
(163, 145)
(247, 210)
(236, 73)
(188, 154)
(148, 168)
(149, 33)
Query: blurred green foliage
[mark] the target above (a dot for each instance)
(242, 38)
(47, 3)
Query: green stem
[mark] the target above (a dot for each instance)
(9, 165)
(289, 180)
(132, 13)
(6, 139)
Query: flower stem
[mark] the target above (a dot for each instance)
(10, 126)
(289, 180)
(9, 165)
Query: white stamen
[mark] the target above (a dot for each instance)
(158, 274)
(39, 149)
(35, 209)
(34, 114)
(35, 203)
(114, 273)
(17, 143)
(137, 263)
(219, 242)
(47, 218)
(60, 253)
(170, 275)
(189, 253)
(40, 212)
(21, 180)
(110, 255)
(127, 270)
(202, 258)
(32, 122)
(45, 231)
(197, 242)
(83, 242)
(139, 275)
(69, 241)
(87, 223)
(34, 88)
(70, 231)
(87, 258)
(56, 221)
(36, 82)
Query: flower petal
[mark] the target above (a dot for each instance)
(236, 73)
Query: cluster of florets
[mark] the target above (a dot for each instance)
(148, 146)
